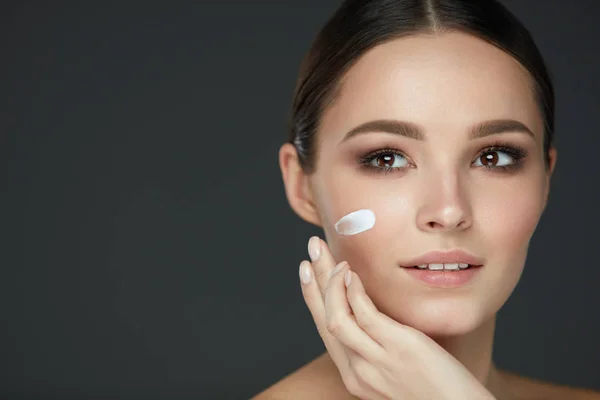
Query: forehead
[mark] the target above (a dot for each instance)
(446, 83)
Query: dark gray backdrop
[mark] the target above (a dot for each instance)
(148, 249)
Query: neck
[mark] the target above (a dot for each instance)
(474, 350)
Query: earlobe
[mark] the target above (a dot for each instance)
(552, 154)
(297, 188)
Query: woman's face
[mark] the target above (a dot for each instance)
(442, 191)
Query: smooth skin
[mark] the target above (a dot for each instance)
(387, 335)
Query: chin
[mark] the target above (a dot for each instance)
(445, 328)
(440, 318)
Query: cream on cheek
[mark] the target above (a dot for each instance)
(371, 239)
(355, 222)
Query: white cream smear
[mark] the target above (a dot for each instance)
(355, 222)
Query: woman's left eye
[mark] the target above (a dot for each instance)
(493, 159)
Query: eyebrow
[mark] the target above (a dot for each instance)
(413, 131)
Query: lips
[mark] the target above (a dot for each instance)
(444, 278)
(438, 269)
(445, 267)
(447, 257)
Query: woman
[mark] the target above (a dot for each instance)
(421, 142)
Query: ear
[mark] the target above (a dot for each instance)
(298, 190)
(552, 154)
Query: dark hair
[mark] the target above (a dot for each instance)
(359, 25)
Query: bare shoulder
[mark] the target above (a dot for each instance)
(319, 379)
(533, 389)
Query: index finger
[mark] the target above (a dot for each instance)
(322, 261)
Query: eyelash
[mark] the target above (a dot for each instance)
(517, 153)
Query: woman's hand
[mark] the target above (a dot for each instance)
(378, 358)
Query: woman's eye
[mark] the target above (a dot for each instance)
(494, 158)
(389, 161)
(503, 158)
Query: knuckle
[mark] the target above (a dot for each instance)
(319, 271)
(334, 327)
(364, 319)
(323, 332)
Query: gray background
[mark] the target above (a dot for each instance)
(148, 249)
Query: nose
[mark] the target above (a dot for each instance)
(444, 205)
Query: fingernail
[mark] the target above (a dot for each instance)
(314, 248)
(338, 268)
(304, 272)
(347, 278)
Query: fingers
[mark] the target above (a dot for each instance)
(316, 306)
(326, 298)
(340, 322)
(377, 325)
(322, 261)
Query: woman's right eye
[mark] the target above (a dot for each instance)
(385, 161)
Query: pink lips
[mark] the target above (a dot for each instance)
(444, 257)
(443, 278)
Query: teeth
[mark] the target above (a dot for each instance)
(439, 267)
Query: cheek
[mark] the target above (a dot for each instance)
(371, 250)
(506, 217)
(505, 220)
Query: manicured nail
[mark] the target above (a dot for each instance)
(314, 248)
(338, 267)
(304, 272)
(347, 278)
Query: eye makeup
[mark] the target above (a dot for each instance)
(366, 161)
(516, 152)
(356, 222)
